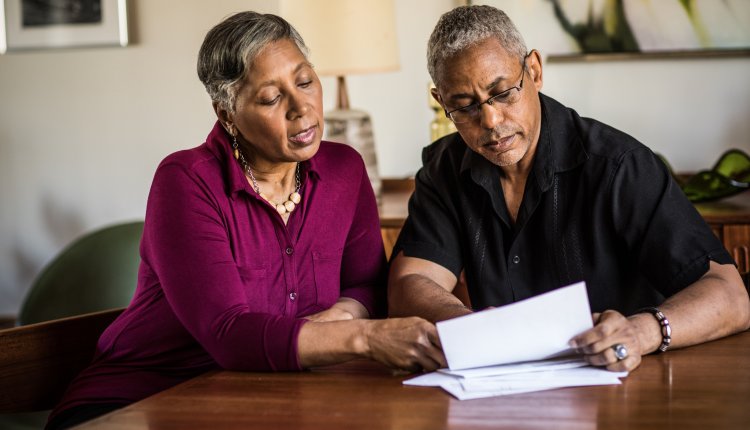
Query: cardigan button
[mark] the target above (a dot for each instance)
(289, 251)
(516, 259)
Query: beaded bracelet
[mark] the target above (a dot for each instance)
(666, 329)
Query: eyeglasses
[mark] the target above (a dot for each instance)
(503, 98)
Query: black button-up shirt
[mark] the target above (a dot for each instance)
(598, 206)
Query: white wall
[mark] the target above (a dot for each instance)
(81, 131)
(690, 110)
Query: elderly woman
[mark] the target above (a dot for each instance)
(261, 249)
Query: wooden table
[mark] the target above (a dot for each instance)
(702, 387)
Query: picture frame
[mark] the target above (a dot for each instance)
(50, 24)
(596, 30)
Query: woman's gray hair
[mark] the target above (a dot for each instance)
(230, 48)
(465, 26)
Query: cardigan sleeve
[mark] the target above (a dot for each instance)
(363, 261)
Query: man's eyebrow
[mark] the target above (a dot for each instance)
(488, 87)
(494, 83)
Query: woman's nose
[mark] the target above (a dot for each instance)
(298, 106)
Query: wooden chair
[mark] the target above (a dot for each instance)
(68, 306)
(38, 361)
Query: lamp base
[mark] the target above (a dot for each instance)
(353, 127)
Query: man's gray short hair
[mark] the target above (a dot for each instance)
(230, 48)
(465, 26)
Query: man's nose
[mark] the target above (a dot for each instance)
(490, 115)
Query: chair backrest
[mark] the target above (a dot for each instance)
(38, 361)
(97, 271)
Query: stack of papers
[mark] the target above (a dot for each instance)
(517, 378)
(518, 348)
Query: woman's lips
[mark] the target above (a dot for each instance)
(304, 137)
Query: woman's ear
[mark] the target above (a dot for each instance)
(225, 118)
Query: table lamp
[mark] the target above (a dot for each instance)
(440, 125)
(348, 37)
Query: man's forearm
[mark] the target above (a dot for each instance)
(715, 306)
(417, 295)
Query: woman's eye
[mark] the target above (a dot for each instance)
(305, 84)
(269, 102)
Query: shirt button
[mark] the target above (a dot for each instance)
(516, 259)
(289, 251)
(292, 296)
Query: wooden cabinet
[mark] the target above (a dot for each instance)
(393, 208)
(729, 219)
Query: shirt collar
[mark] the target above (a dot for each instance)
(559, 149)
(220, 145)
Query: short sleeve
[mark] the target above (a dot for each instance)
(431, 230)
(671, 241)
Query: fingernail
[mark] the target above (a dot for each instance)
(573, 344)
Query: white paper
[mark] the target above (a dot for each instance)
(432, 379)
(508, 350)
(525, 367)
(577, 377)
(517, 383)
(465, 389)
(533, 329)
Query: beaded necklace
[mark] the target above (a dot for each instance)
(282, 208)
(285, 207)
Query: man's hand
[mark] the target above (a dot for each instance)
(597, 345)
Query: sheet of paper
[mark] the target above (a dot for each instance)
(581, 376)
(478, 390)
(432, 379)
(516, 383)
(533, 329)
(525, 367)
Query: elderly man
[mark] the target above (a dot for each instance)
(528, 197)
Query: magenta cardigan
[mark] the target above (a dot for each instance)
(223, 283)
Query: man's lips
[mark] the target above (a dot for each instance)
(501, 143)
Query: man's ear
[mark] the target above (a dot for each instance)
(224, 117)
(436, 96)
(534, 62)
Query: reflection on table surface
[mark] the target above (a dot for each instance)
(706, 386)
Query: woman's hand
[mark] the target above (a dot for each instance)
(344, 309)
(405, 343)
(611, 329)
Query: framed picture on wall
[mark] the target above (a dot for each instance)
(632, 28)
(43, 24)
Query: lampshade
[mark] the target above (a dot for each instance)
(346, 36)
